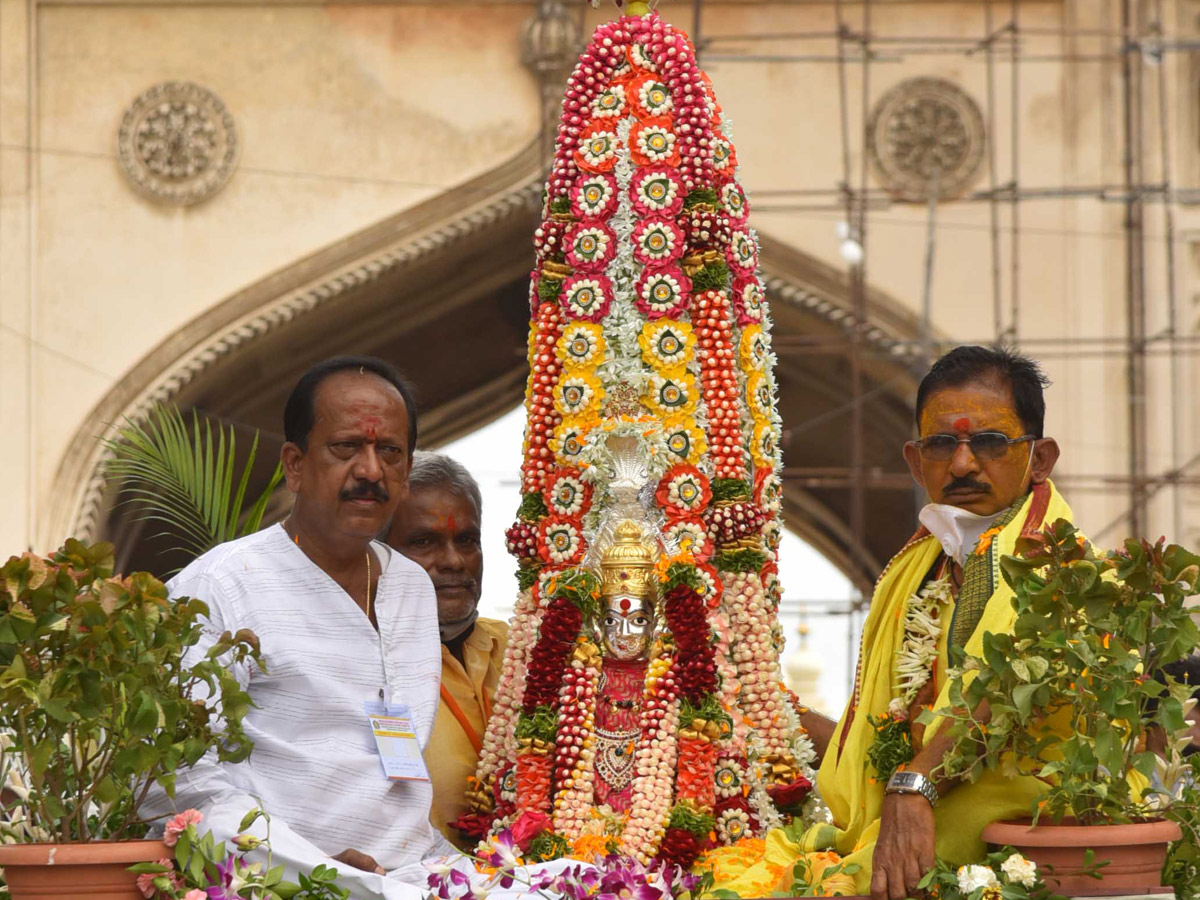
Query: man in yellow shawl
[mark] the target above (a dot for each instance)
(985, 463)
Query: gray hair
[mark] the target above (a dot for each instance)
(436, 470)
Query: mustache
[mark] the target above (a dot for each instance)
(365, 490)
(967, 484)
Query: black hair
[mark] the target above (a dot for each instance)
(1186, 671)
(1023, 375)
(299, 414)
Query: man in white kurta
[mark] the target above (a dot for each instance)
(314, 767)
(341, 620)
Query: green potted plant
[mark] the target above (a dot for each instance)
(96, 705)
(1070, 696)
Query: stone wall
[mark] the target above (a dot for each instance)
(346, 115)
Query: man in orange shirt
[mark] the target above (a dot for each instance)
(438, 526)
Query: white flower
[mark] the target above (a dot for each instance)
(1020, 870)
(972, 877)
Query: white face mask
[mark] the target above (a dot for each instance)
(958, 530)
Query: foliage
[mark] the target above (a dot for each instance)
(809, 880)
(691, 818)
(527, 576)
(96, 703)
(892, 747)
(702, 196)
(1004, 874)
(579, 586)
(713, 277)
(1072, 691)
(542, 725)
(200, 863)
(729, 489)
(740, 560)
(710, 710)
(681, 573)
(1182, 868)
(186, 480)
(532, 508)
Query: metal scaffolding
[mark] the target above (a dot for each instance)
(1133, 40)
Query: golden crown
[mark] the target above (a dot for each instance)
(627, 566)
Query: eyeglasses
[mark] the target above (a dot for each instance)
(984, 445)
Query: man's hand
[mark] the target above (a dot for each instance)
(904, 849)
(360, 861)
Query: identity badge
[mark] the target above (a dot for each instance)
(396, 740)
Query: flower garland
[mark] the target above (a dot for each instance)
(915, 665)
(654, 760)
(649, 323)
(574, 751)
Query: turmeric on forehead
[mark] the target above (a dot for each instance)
(969, 409)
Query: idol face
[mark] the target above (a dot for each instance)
(982, 484)
(627, 627)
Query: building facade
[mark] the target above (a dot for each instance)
(199, 200)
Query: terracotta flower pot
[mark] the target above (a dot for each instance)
(99, 870)
(1135, 852)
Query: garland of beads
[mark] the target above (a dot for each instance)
(654, 761)
(542, 416)
(719, 376)
(499, 739)
(757, 666)
(574, 776)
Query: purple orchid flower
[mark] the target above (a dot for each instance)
(224, 889)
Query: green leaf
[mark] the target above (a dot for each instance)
(1022, 696)
(185, 478)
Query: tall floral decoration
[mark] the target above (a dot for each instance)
(649, 324)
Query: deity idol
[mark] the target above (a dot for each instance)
(627, 623)
(641, 707)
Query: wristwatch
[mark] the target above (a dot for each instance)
(912, 783)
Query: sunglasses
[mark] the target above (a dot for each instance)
(984, 445)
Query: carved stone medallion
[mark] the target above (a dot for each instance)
(922, 130)
(177, 143)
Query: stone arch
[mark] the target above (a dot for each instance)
(442, 290)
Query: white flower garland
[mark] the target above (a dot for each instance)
(922, 631)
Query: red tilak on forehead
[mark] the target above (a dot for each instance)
(625, 604)
(451, 523)
(370, 424)
(963, 424)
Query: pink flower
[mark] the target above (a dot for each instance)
(195, 894)
(151, 884)
(529, 826)
(179, 824)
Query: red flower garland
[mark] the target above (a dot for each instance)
(543, 418)
(718, 375)
(695, 665)
(680, 847)
(694, 781)
(556, 637)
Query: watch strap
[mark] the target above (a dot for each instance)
(912, 783)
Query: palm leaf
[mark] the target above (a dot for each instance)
(187, 479)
